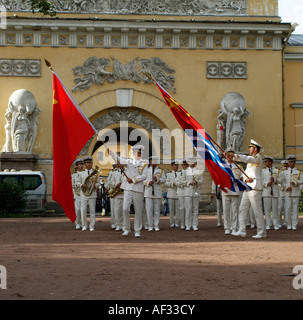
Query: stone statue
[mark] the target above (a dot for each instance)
(232, 121)
(21, 122)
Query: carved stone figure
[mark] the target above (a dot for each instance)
(161, 7)
(21, 122)
(95, 71)
(232, 120)
(157, 68)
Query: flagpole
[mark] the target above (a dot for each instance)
(117, 163)
(229, 158)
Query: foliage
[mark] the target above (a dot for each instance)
(42, 6)
(301, 202)
(12, 198)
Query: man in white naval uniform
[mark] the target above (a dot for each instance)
(252, 197)
(281, 201)
(270, 194)
(153, 192)
(193, 177)
(116, 176)
(230, 199)
(181, 182)
(136, 170)
(173, 200)
(292, 180)
(76, 190)
(88, 200)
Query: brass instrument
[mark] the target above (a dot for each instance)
(77, 190)
(113, 192)
(90, 182)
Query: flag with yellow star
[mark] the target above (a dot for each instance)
(71, 131)
(219, 170)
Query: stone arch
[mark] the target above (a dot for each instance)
(126, 98)
(140, 109)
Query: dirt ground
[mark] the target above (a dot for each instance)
(46, 258)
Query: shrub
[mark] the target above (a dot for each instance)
(12, 198)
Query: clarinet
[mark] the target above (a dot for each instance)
(153, 170)
(271, 192)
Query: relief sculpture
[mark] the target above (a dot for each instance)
(154, 7)
(96, 71)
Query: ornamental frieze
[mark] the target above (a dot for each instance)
(20, 67)
(153, 7)
(226, 70)
(99, 70)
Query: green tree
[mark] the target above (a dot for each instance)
(42, 6)
(12, 198)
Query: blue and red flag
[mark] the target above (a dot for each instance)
(219, 170)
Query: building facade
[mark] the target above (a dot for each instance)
(223, 61)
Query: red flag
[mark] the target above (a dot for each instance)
(71, 131)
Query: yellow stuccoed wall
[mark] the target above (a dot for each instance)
(200, 96)
(262, 90)
(294, 102)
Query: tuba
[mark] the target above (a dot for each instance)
(90, 182)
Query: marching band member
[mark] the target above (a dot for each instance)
(153, 193)
(292, 180)
(88, 179)
(172, 196)
(193, 177)
(133, 189)
(281, 201)
(76, 190)
(270, 179)
(230, 199)
(181, 182)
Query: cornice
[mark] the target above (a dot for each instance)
(143, 34)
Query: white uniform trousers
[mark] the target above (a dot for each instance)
(182, 211)
(252, 198)
(219, 211)
(118, 212)
(271, 211)
(78, 211)
(112, 212)
(91, 203)
(174, 211)
(191, 205)
(137, 199)
(230, 205)
(152, 206)
(281, 210)
(291, 207)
